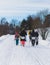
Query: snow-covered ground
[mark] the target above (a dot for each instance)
(10, 54)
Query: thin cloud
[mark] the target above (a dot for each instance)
(22, 7)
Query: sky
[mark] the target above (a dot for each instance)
(20, 9)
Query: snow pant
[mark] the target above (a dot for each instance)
(36, 40)
(17, 41)
(23, 39)
(23, 42)
(37, 43)
(33, 42)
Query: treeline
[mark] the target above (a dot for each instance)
(36, 22)
(7, 27)
(41, 20)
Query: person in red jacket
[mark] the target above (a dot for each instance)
(17, 37)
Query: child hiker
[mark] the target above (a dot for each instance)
(17, 37)
(23, 37)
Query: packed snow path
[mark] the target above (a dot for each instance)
(10, 54)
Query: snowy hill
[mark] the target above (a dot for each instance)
(10, 54)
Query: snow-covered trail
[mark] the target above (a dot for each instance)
(6, 49)
(23, 56)
(40, 54)
(10, 54)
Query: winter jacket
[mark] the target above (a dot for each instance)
(23, 35)
(16, 35)
(33, 35)
(36, 34)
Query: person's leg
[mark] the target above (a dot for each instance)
(36, 40)
(37, 43)
(33, 42)
(17, 41)
(23, 43)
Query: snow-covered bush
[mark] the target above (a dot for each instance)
(44, 32)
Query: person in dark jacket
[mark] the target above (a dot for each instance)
(36, 37)
(33, 37)
(23, 37)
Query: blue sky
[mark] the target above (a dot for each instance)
(20, 9)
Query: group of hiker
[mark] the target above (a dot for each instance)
(33, 37)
